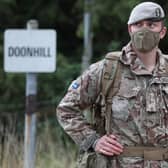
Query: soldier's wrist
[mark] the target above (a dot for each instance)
(95, 142)
(89, 143)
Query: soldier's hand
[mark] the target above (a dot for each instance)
(108, 145)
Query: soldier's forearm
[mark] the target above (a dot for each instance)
(88, 143)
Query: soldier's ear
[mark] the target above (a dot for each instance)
(163, 32)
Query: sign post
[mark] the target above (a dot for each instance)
(30, 115)
(30, 51)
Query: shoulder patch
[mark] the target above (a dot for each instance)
(75, 85)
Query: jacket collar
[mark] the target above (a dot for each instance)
(130, 58)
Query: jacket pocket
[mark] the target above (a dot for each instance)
(123, 102)
(129, 93)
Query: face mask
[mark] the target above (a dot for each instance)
(145, 40)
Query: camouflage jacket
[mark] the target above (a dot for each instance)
(140, 108)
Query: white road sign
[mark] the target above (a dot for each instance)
(29, 50)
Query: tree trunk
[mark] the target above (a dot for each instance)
(87, 54)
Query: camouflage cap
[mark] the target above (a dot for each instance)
(146, 10)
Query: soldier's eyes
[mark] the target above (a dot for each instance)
(151, 25)
(138, 24)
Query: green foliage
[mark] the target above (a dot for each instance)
(53, 86)
(109, 27)
(53, 148)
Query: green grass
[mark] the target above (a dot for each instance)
(52, 152)
(53, 148)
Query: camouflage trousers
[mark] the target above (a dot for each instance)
(95, 160)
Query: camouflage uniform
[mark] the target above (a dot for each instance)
(140, 108)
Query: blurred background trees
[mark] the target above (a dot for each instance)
(109, 28)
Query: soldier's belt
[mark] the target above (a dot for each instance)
(148, 153)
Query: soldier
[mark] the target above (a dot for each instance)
(132, 123)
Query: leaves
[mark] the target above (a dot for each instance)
(109, 26)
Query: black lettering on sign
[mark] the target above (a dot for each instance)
(10, 51)
(22, 51)
(29, 51)
(17, 51)
(26, 51)
(48, 52)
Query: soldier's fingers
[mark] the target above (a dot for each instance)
(116, 150)
(106, 147)
(114, 142)
(112, 136)
(109, 144)
(102, 151)
(110, 147)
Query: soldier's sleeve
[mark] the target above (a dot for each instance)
(81, 94)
